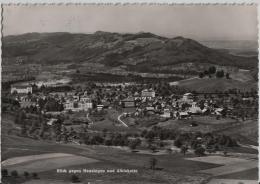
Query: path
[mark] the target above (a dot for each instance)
(118, 118)
(91, 122)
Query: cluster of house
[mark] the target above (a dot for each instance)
(69, 99)
(175, 106)
(142, 102)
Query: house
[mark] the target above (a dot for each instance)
(149, 110)
(27, 102)
(85, 99)
(194, 109)
(21, 88)
(137, 96)
(166, 113)
(187, 97)
(51, 121)
(100, 107)
(57, 94)
(78, 104)
(148, 94)
(128, 102)
(218, 111)
(184, 115)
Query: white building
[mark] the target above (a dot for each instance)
(195, 109)
(187, 97)
(166, 113)
(78, 105)
(148, 94)
(21, 88)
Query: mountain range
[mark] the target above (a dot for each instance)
(140, 52)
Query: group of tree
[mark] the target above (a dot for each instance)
(15, 174)
(117, 139)
(213, 71)
(193, 139)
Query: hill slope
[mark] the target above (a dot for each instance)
(138, 52)
(215, 84)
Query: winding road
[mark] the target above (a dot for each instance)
(118, 118)
(91, 122)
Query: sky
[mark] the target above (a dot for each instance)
(201, 22)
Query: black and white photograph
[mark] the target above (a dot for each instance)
(129, 94)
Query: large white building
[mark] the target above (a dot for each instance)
(83, 104)
(21, 88)
(148, 94)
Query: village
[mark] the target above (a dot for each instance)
(135, 107)
(140, 98)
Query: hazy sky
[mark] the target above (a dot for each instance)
(203, 22)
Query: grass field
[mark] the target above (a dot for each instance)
(231, 167)
(171, 168)
(246, 132)
(174, 167)
(44, 162)
(213, 84)
(205, 123)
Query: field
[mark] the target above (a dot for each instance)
(175, 167)
(107, 158)
(44, 162)
(213, 84)
(246, 132)
(44, 157)
(205, 123)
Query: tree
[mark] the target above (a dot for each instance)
(212, 69)
(134, 143)
(74, 178)
(200, 151)
(225, 153)
(35, 175)
(178, 143)
(14, 173)
(184, 149)
(206, 72)
(227, 76)
(4, 172)
(153, 148)
(43, 125)
(26, 174)
(201, 75)
(153, 163)
(169, 151)
(220, 74)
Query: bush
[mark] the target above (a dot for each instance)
(134, 143)
(35, 175)
(74, 179)
(108, 142)
(153, 148)
(178, 143)
(4, 172)
(212, 69)
(201, 75)
(153, 162)
(14, 173)
(220, 74)
(200, 151)
(184, 149)
(26, 174)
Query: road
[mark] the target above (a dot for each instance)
(91, 122)
(118, 118)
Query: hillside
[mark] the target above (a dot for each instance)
(141, 52)
(215, 84)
